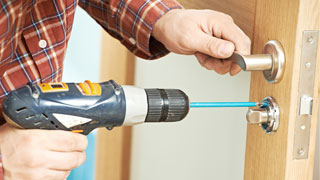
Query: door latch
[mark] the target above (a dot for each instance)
(271, 62)
(307, 73)
(267, 116)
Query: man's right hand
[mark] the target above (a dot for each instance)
(40, 154)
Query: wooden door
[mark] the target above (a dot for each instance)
(113, 147)
(273, 157)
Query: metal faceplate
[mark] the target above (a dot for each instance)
(306, 89)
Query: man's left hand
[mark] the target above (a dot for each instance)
(210, 35)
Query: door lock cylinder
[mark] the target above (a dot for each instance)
(267, 115)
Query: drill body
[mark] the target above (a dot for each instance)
(83, 107)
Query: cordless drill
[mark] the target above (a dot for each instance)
(83, 107)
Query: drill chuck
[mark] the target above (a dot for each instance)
(154, 105)
(166, 105)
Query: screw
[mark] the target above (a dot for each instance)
(109, 128)
(35, 95)
(117, 92)
(310, 39)
(301, 152)
(308, 65)
(260, 104)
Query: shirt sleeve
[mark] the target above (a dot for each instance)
(131, 22)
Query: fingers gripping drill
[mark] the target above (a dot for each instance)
(83, 107)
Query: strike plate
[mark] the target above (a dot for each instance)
(306, 88)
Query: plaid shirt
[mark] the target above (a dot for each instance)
(34, 34)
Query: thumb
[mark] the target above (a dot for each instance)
(213, 46)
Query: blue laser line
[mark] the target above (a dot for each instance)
(223, 104)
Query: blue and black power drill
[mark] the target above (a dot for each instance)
(83, 107)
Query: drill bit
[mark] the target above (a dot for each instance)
(226, 104)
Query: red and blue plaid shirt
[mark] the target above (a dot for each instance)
(34, 34)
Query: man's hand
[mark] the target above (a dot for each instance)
(40, 154)
(210, 35)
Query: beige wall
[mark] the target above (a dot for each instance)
(209, 143)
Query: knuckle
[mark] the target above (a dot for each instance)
(221, 71)
(220, 51)
(78, 159)
(84, 142)
(81, 158)
(247, 41)
(80, 142)
(225, 17)
(218, 29)
(209, 66)
(75, 142)
(72, 142)
(35, 175)
(61, 175)
(84, 157)
(206, 67)
(184, 39)
(29, 140)
(208, 11)
(31, 160)
(33, 139)
(201, 61)
(212, 46)
(73, 162)
(228, 18)
(244, 46)
(224, 70)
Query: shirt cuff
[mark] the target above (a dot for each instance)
(148, 47)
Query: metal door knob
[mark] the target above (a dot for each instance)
(266, 116)
(271, 61)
